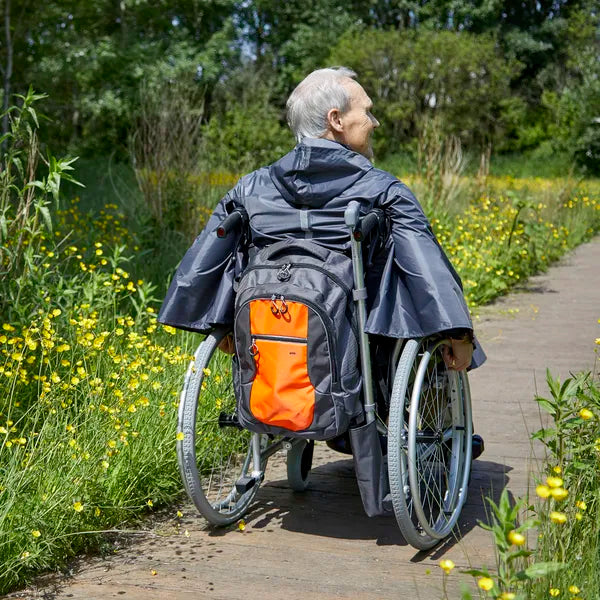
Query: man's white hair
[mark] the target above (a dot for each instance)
(314, 97)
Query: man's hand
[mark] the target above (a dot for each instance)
(458, 356)
(227, 345)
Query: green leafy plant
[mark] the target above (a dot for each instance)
(516, 568)
(27, 192)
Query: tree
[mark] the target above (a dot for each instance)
(293, 37)
(573, 105)
(458, 77)
(92, 58)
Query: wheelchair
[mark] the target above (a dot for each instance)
(425, 416)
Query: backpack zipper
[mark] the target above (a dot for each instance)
(279, 338)
(331, 276)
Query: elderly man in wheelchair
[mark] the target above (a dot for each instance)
(331, 313)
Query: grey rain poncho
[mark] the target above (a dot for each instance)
(413, 289)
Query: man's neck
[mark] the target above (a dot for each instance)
(330, 135)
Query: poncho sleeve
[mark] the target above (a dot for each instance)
(419, 292)
(201, 293)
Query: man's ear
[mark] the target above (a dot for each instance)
(334, 120)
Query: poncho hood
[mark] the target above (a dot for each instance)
(316, 171)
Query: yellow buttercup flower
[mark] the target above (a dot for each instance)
(485, 583)
(507, 596)
(516, 538)
(543, 491)
(180, 436)
(573, 589)
(581, 505)
(36, 533)
(559, 493)
(554, 482)
(586, 414)
(558, 517)
(554, 592)
(77, 506)
(242, 525)
(446, 565)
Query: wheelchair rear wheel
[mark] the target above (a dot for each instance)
(215, 455)
(429, 444)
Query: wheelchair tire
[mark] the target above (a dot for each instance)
(299, 463)
(429, 444)
(213, 457)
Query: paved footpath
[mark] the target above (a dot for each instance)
(320, 545)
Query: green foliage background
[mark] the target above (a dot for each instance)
(518, 76)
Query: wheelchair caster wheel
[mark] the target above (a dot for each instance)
(299, 463)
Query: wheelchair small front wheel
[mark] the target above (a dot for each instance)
(299, 463)
(215, 454)
(429, 444)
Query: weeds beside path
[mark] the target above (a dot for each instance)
(320, 544)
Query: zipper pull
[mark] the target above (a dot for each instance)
(284, 306)
(253, 349)
(284, 272)
(274, 307)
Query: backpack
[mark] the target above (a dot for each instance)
(296, 344)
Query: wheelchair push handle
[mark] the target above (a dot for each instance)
(238, 217)
(361, 227)
(374, 218)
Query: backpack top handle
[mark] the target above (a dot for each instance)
(306, 247)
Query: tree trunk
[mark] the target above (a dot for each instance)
(8, 68)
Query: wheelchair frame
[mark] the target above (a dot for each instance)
(429, 425)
